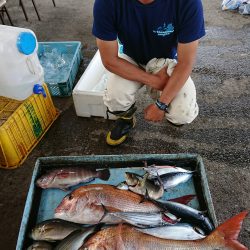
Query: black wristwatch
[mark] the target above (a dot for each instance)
(161, 105)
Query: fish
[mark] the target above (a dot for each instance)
(132, 179)
(154, 170)
(144, 185)
(64, 178)
(53, 230)
(179, 231)
(171, 180)
(85, 205)
(188, 214)
(40, 245)
(126, 237)
(122, 186)
(145, 220)
(75, 240)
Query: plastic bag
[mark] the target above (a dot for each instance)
(244, 9)
(232, 4)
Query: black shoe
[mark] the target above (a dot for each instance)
(123, 126)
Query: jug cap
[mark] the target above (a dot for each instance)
(26, 43)
(38, 89)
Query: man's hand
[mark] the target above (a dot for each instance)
(161, 79)
(153, 113)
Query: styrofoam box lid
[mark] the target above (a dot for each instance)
(92, 76)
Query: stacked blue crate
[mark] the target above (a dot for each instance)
(62, 85)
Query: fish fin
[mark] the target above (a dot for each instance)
(142, 200)
(229, 232)
(171, 216)
(160, 180)
(145, 197)
(184, 199)
(167, 218)
(64, 188)
(144, 179)
(105, 212)
(104, 174)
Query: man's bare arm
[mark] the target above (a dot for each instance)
(186, 58)
(127, 70)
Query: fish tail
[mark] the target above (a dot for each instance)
(184, 199)
(104, 174)
(229, 232)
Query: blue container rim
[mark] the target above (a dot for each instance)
(109, 158)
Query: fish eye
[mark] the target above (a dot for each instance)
(70, 197)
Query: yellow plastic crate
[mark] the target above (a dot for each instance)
(22, 125)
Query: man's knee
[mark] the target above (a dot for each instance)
(120, 93)
(184, 108)
(181, 115)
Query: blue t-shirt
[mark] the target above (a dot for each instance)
(151, 30)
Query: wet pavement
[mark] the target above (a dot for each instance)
(220, 134)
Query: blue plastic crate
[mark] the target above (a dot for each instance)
(62, 84)
(41, 203)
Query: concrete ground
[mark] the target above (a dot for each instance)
(220, 134)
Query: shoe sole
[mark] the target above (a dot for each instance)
(112, 142)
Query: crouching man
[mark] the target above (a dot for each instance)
(160, 41)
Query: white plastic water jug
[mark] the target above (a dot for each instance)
(20, 68)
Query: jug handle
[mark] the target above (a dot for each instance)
(33, 70)
(30, 65)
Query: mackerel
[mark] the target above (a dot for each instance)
(188, 214)
(179, 231)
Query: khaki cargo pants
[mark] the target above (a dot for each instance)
(120, 93)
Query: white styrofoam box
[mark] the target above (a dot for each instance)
(88, 92)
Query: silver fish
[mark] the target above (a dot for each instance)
(143, 220)
(53, 230)
(161, 170)
(40, 245)
(179, 231)
(188, 214)
(75, 240)
(171, 180)
(64, 178)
